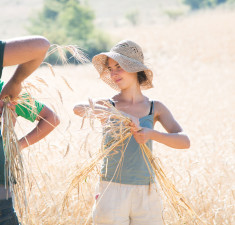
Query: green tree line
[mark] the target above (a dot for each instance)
(198, 4)
(66, 22)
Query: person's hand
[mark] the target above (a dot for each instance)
(134, 124)
(142, 136)
(12, 89)
(22, 143)
(11, 106)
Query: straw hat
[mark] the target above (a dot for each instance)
(130, 57)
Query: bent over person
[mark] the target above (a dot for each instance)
(26, 52)
(47, 119)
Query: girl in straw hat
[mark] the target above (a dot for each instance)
(127, 197)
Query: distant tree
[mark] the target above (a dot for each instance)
(69, 22)
(174, 13)
(197, 4)
(220, 1)
(133, 17)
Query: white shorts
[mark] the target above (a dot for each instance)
(120, 204)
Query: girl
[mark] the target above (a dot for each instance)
(128, 197)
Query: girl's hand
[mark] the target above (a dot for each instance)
(134, 124)
(142, 136)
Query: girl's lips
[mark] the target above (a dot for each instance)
(118, 80)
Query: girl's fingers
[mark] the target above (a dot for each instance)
(132, 124)
(134, 129)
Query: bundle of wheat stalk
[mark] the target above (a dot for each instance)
(177, 201)
(16, 177)
(120, 132)
(76, 53)
(14, 166)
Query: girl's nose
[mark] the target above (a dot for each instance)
(113, 72)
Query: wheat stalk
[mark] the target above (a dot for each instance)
(16, 176)
(14, 166)
(185, 212)
(89, 166)
(74, 50)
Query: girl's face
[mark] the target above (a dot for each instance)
(120, 77)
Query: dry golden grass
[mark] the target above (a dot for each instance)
(14, 169)
(193, 61)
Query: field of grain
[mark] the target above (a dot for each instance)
(193, 60)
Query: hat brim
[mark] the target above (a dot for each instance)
(128, 64)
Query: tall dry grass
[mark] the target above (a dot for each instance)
(193, 61)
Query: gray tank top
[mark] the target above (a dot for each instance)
(132, 169)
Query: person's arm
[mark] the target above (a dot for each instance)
(99, 109)
(47, 121)
(26, 52)
(174, 137)
(102, 111)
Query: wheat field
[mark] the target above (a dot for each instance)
(193, 60)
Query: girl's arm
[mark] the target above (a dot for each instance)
(47, 121)
(174, 137)
(103, 112)
(99, 109)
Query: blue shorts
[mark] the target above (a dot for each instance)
(7, 213)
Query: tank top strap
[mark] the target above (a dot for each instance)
(151, 108)
(112, 102)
